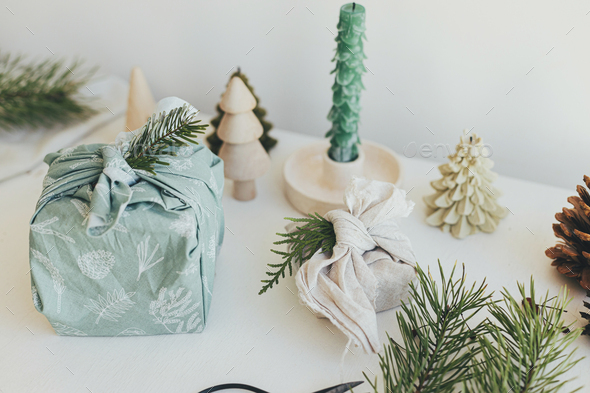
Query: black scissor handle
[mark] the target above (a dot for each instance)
(233, 386)
(344, 387)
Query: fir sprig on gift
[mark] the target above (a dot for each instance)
(524, 348)
(437, 344)
(41, 94)
(317, 234)
(160, 135)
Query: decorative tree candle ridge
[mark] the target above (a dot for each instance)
(347, 87)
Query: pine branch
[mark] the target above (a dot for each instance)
(438, 345)
(525, 352)
(316, 235)
(162, 132)
(41, 94)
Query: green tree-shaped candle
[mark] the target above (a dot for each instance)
(347, 87)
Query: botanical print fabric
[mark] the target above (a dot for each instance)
(118, 252)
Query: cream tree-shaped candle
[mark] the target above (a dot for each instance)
(245, 158)
(465, 200)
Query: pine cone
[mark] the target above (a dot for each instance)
(571, 256)
(586, 316)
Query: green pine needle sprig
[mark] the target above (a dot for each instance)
(437, 345)
(42, 94)
(524, 350)
(316, 234)
(519, 348)
(160, 135)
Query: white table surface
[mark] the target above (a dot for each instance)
(270, 341)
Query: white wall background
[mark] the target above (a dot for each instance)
(447, 63)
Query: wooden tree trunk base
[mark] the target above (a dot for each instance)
(244, 190)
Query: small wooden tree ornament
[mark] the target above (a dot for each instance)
(245, 158)
(268, 142)
(140, 103)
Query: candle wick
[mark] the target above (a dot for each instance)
(353, 5)
(239, 70)
(470, 139)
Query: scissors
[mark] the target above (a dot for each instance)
(343, 387)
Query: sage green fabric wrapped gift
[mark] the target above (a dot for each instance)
(118, 252)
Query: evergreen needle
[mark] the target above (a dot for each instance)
(316, 234)
(437, 343)
(160, 135)
(521, 351)
(524, 349)
(42, 94)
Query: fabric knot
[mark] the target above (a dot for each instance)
(350, 231)
(110, 181)
(112, 192)
(115, 166)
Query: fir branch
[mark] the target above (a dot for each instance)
(437, 346)
(317, 234)
(41, 94)
(525, 352)
(162, 132)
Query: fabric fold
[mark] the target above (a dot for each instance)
(371, 266)
(112, 192)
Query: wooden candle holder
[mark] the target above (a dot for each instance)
(314, 183)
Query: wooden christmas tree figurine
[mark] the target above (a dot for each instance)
(267, 141)
(465, 200)
(245, 158)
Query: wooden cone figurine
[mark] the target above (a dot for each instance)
(465, 200)
(140, 104)
(245, 158)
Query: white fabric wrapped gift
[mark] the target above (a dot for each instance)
(371, 266)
